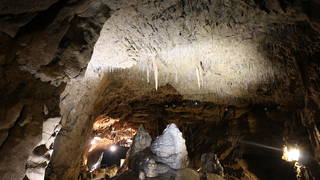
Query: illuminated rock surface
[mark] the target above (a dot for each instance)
(223, 71)
(170, 148)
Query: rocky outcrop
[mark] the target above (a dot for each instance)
(169, 160)
(141, 159)
(210, 164)
(170, 148)
(141, 141)
(40, 157)
(43, 45)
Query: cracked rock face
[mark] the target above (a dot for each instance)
(170, 148)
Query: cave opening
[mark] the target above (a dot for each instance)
(108, 147)
(269, 165)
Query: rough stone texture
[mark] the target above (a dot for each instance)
(185, 43)
(210, 164)
(141, 140)
(262, 40)
(24, 6)
(40, 157)
(10, 118)
(144, 162)
(170, 148)
(25, 133)
(150, 167)
(272, 50)
(51, 44)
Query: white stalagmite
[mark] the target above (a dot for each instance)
(170, 148)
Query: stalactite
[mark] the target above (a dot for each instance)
(199, 73)
(148, 74)
(198, 77)
(176, 73)
(155, 70)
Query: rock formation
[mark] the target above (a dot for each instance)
(170, 148)
(141, 158)
(141, 141)
(167, 159)
(224, 71)
(210, 164)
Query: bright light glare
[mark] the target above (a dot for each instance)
(94, 140)
(113, 148)
(292, 154)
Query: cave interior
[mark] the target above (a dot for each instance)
(160, 90)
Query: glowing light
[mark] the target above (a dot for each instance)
(113, 148)
(292, 154)
(95, 140)
(122, 162)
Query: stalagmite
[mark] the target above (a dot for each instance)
(170, 148)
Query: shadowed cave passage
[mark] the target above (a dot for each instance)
(109, 157)
(269, 165)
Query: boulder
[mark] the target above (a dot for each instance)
(144, 161)
(210, 164)
(141, 140)
(170, 148)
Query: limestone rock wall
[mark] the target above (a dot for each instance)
(43, 45)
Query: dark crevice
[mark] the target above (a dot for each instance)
(43, 19)
(17, 121)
